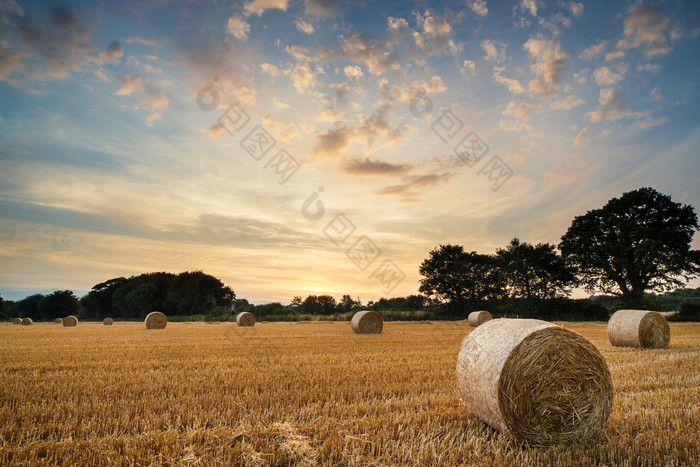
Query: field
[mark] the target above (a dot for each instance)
(307, 394)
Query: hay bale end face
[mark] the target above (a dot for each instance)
(58, 321)
(108, 321)
(367, 322)
(477, 318)
(70, 321)
(156, 320)
(17, 321)
(535, 381)
(27, 322)
(245, 319)
(639, 328)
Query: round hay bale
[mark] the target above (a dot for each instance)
(156, 320)
(535, 381)
(245, 319)
(367, 322)
(639, 328)
(17, 321)
(70, 321)
(108, 321)
(27, 322)
(58, 321)
(477, 318)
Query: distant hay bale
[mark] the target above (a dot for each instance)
(27, 322)
(108, 321)
(477, 318)
(58, 321)
(245, 319)
(535, 381)
(17, 321)
(70, 321)
(367, 322)
(639, 328)
(156, 320)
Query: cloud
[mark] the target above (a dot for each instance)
(492, 53)
(258, 7)
(283, 130)
(270, 69)
(581, 137)
(650, 67)
(153, 118)
(650, 122)
(614, 55)
(478, 6)
(216, 129)
(569, 102)
(604, 76)
(513, 85)
(550, 61)
(332, 143)
(303, 26)
(468, 67)
(368, 167)
(436, 31)
(413, 182)
(280, 104)
(656, 95)
(646, 25)
(43, 49)
(576, 8)
(593, 50)
(238, 27)
(530, 6)
(302, 78)
(695, 32)
(434, 86)
(112, 54)
(150, 95)
(320, 8)
(141, 40)
(354, 74)
(522, 110)
(612, 107)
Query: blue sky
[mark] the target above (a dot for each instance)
(133, 134)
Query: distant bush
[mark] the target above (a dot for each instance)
(687, 311)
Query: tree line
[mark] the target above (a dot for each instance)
(633, 245)
(184, 294)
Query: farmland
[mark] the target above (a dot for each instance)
(307, 394)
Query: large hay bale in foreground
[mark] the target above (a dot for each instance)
(245, 319)
(27, 322)
(108, 321)
(70, 321)
(535, 381)
(58, 321)
(367, 322)
(156, 320)
(477, 318)
(17, 321)
(639, 328)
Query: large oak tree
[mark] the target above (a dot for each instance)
(635, 243)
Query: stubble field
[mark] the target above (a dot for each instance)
(307, 394)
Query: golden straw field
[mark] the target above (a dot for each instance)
(307, 394)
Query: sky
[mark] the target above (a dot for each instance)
(295, 147)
